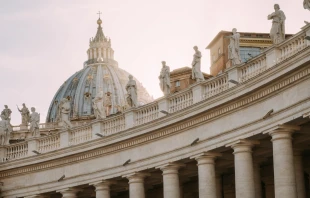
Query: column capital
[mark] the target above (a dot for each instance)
(136, 177)
(242, 145)
(206, 157)
(284, 130)
(103, 184)
(71, 191)
(171, 166)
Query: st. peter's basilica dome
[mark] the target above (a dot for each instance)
(100, 74)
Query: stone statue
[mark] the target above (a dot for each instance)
(98, 106)
(234, 48)
(196, 72)
(131, 88)
(25, 114)
(307, 4)
(108, 103)
(4, 131)
(34, 121)
(277, 32)
(164, 79)
(6, 113)
(65, 108)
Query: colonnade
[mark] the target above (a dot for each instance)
(287, 181)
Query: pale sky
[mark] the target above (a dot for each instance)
(42, 43)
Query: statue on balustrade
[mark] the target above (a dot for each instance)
(65, 108)
(4, 131)
(196, 65)
(6, 113)
(131, 87)
(234, 48)
(25, 114)
(164, 79)
(108, 103)
(307, 4)
(277, 32)
(98, 106)
(34, 121)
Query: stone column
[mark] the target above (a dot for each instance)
(257, 180)
(299, 174)
(171, 180)
(69, 192)
(136, 184)
(206, 174)
(102, 188)
(283, 163)
(219, 187)
(244, 174)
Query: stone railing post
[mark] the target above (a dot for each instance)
(272, 57)
(130, 118)
(2, 153)
(233, 75)
(163, 105)
(33, 145)
(96, 128)
(64, 138)
(198, 91)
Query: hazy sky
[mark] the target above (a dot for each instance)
(42, 43)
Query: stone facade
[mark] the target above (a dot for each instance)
(246, 138)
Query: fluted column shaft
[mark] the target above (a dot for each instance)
(136, 185)
(206, 174)
(284, 172)
(244, 174)
(171, 180)
(299, 174)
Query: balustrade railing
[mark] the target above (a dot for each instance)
(82, 130)
(180, 101)
(253, 68)
(292, 46)
(80, 135)
(215, 86)
(146, 114)
(113, 125)
(49, 143)
(16, 151)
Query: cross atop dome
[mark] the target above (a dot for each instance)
(99, 21)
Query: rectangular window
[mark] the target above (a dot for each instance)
(219, 52)
(177, 84)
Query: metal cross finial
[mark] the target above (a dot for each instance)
(99, 14)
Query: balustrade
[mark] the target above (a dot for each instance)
(82, 130)
(80, 135)
(292, 46)
(146, 114)
(215, 86)
(181, 101)
(114, 125)
(16, 151)
(49, 143)
(253, 68)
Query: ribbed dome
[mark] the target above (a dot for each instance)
(100, 73)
